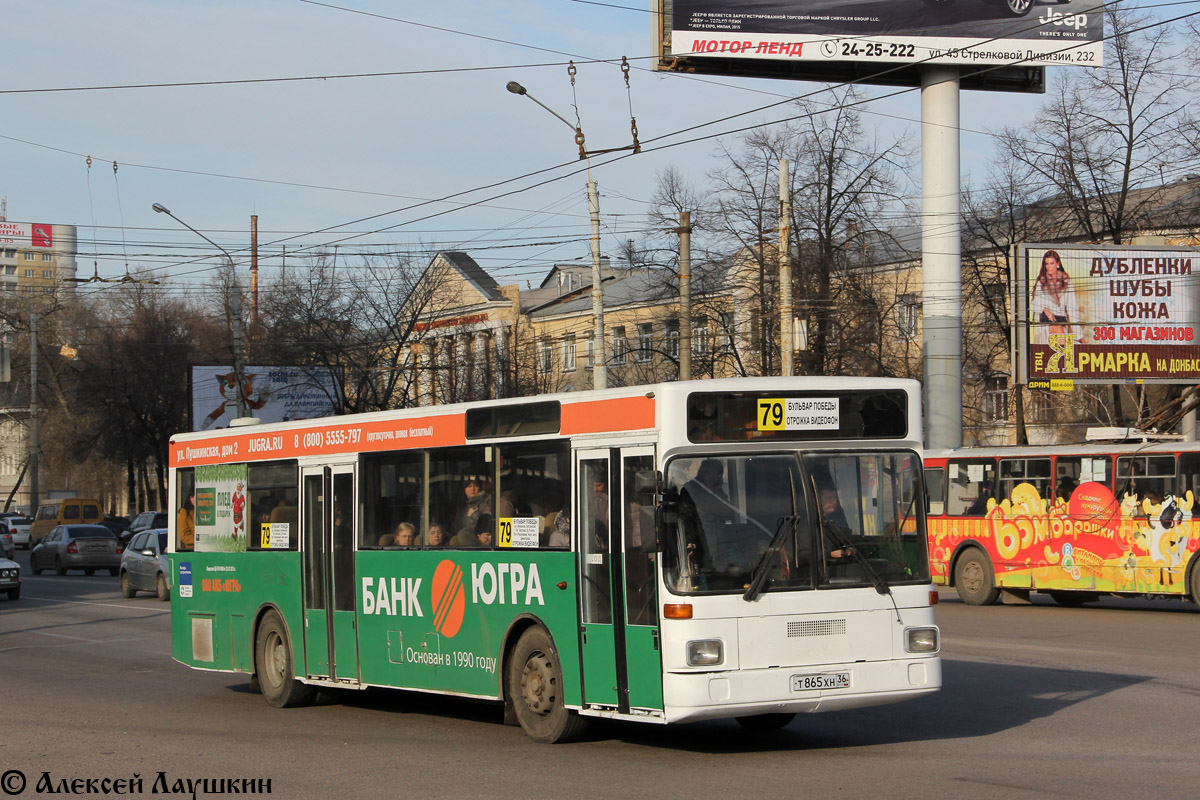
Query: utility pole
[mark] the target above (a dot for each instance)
(239, 366)
(600, 367)
(253, 271)
(787, 339)
(35, 444)
(685, 295)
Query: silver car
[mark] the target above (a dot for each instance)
(85, 547)
(10, 578)
(7, 546)
(144, 565)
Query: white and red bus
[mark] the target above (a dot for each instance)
(1075, 522)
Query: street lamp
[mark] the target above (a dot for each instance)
(600, 367)
(239, 367)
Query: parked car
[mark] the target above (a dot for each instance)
(117, 525)
(144, 565)
(85, 547)
(144, 522)
(18, 526)
(10, 578)
(7, 548)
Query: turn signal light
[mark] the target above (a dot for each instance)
(677, 610)
(934, 597)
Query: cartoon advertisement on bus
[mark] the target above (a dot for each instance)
(221, 508)
(1091, 541)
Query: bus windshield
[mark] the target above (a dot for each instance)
(830, 519)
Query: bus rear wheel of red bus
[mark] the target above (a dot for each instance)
(974, 580)
(273, 662)
(535, 685)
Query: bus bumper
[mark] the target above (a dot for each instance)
(693, 696)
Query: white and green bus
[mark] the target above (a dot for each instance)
(748, 548)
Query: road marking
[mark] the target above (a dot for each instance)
(72, 644)
(94, 603)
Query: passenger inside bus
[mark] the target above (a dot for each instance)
(435, 536)
(1066, 487)
(406, 534)
(979, 507)
(710, 501)
(474, 515)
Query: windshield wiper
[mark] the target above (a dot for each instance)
(758, 577)
(846, 545)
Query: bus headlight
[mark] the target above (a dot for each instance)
(921, 640)
(705, 653)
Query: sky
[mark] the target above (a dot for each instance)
(362, 162)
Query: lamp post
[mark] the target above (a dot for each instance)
(600, 367)
(239, 368)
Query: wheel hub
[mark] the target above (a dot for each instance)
(535, 685)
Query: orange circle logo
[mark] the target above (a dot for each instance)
(449, 600)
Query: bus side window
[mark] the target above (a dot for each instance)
(534, 485)
(393, 493)
(1189, 474)
(1016, 471)
(935, 488)
(971, 485)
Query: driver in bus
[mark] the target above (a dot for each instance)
(833, 521)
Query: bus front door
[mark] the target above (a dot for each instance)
(622, 665)
(330, 636)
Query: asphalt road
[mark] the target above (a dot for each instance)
(1039, 701)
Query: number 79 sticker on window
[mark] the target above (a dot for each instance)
(799, 413)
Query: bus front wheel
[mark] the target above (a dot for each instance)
(974, 580)
(273, 659)
(535, 685)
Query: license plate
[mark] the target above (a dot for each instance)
(824, 680)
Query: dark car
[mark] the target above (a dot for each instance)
(144, 522)
(117, 525)
(85, 547)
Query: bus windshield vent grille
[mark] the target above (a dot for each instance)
(817, 627)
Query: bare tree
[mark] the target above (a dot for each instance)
(358, 319)
(1106, 131)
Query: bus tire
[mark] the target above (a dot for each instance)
(974, 580)
(273, 663)
(1194, 582)
(765, 723)
(535, 684)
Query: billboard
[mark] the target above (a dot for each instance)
(273, 394)
(27, 234)
(887, 32)
(1105, 314)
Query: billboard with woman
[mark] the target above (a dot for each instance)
(1098, 314)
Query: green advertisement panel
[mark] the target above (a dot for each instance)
(221, 508)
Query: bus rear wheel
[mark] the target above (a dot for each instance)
(974, 580)
(1194, 583)
(535, 685)
(273, 660)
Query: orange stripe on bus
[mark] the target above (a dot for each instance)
(447, 598)
(602, 416)
(329, 437)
